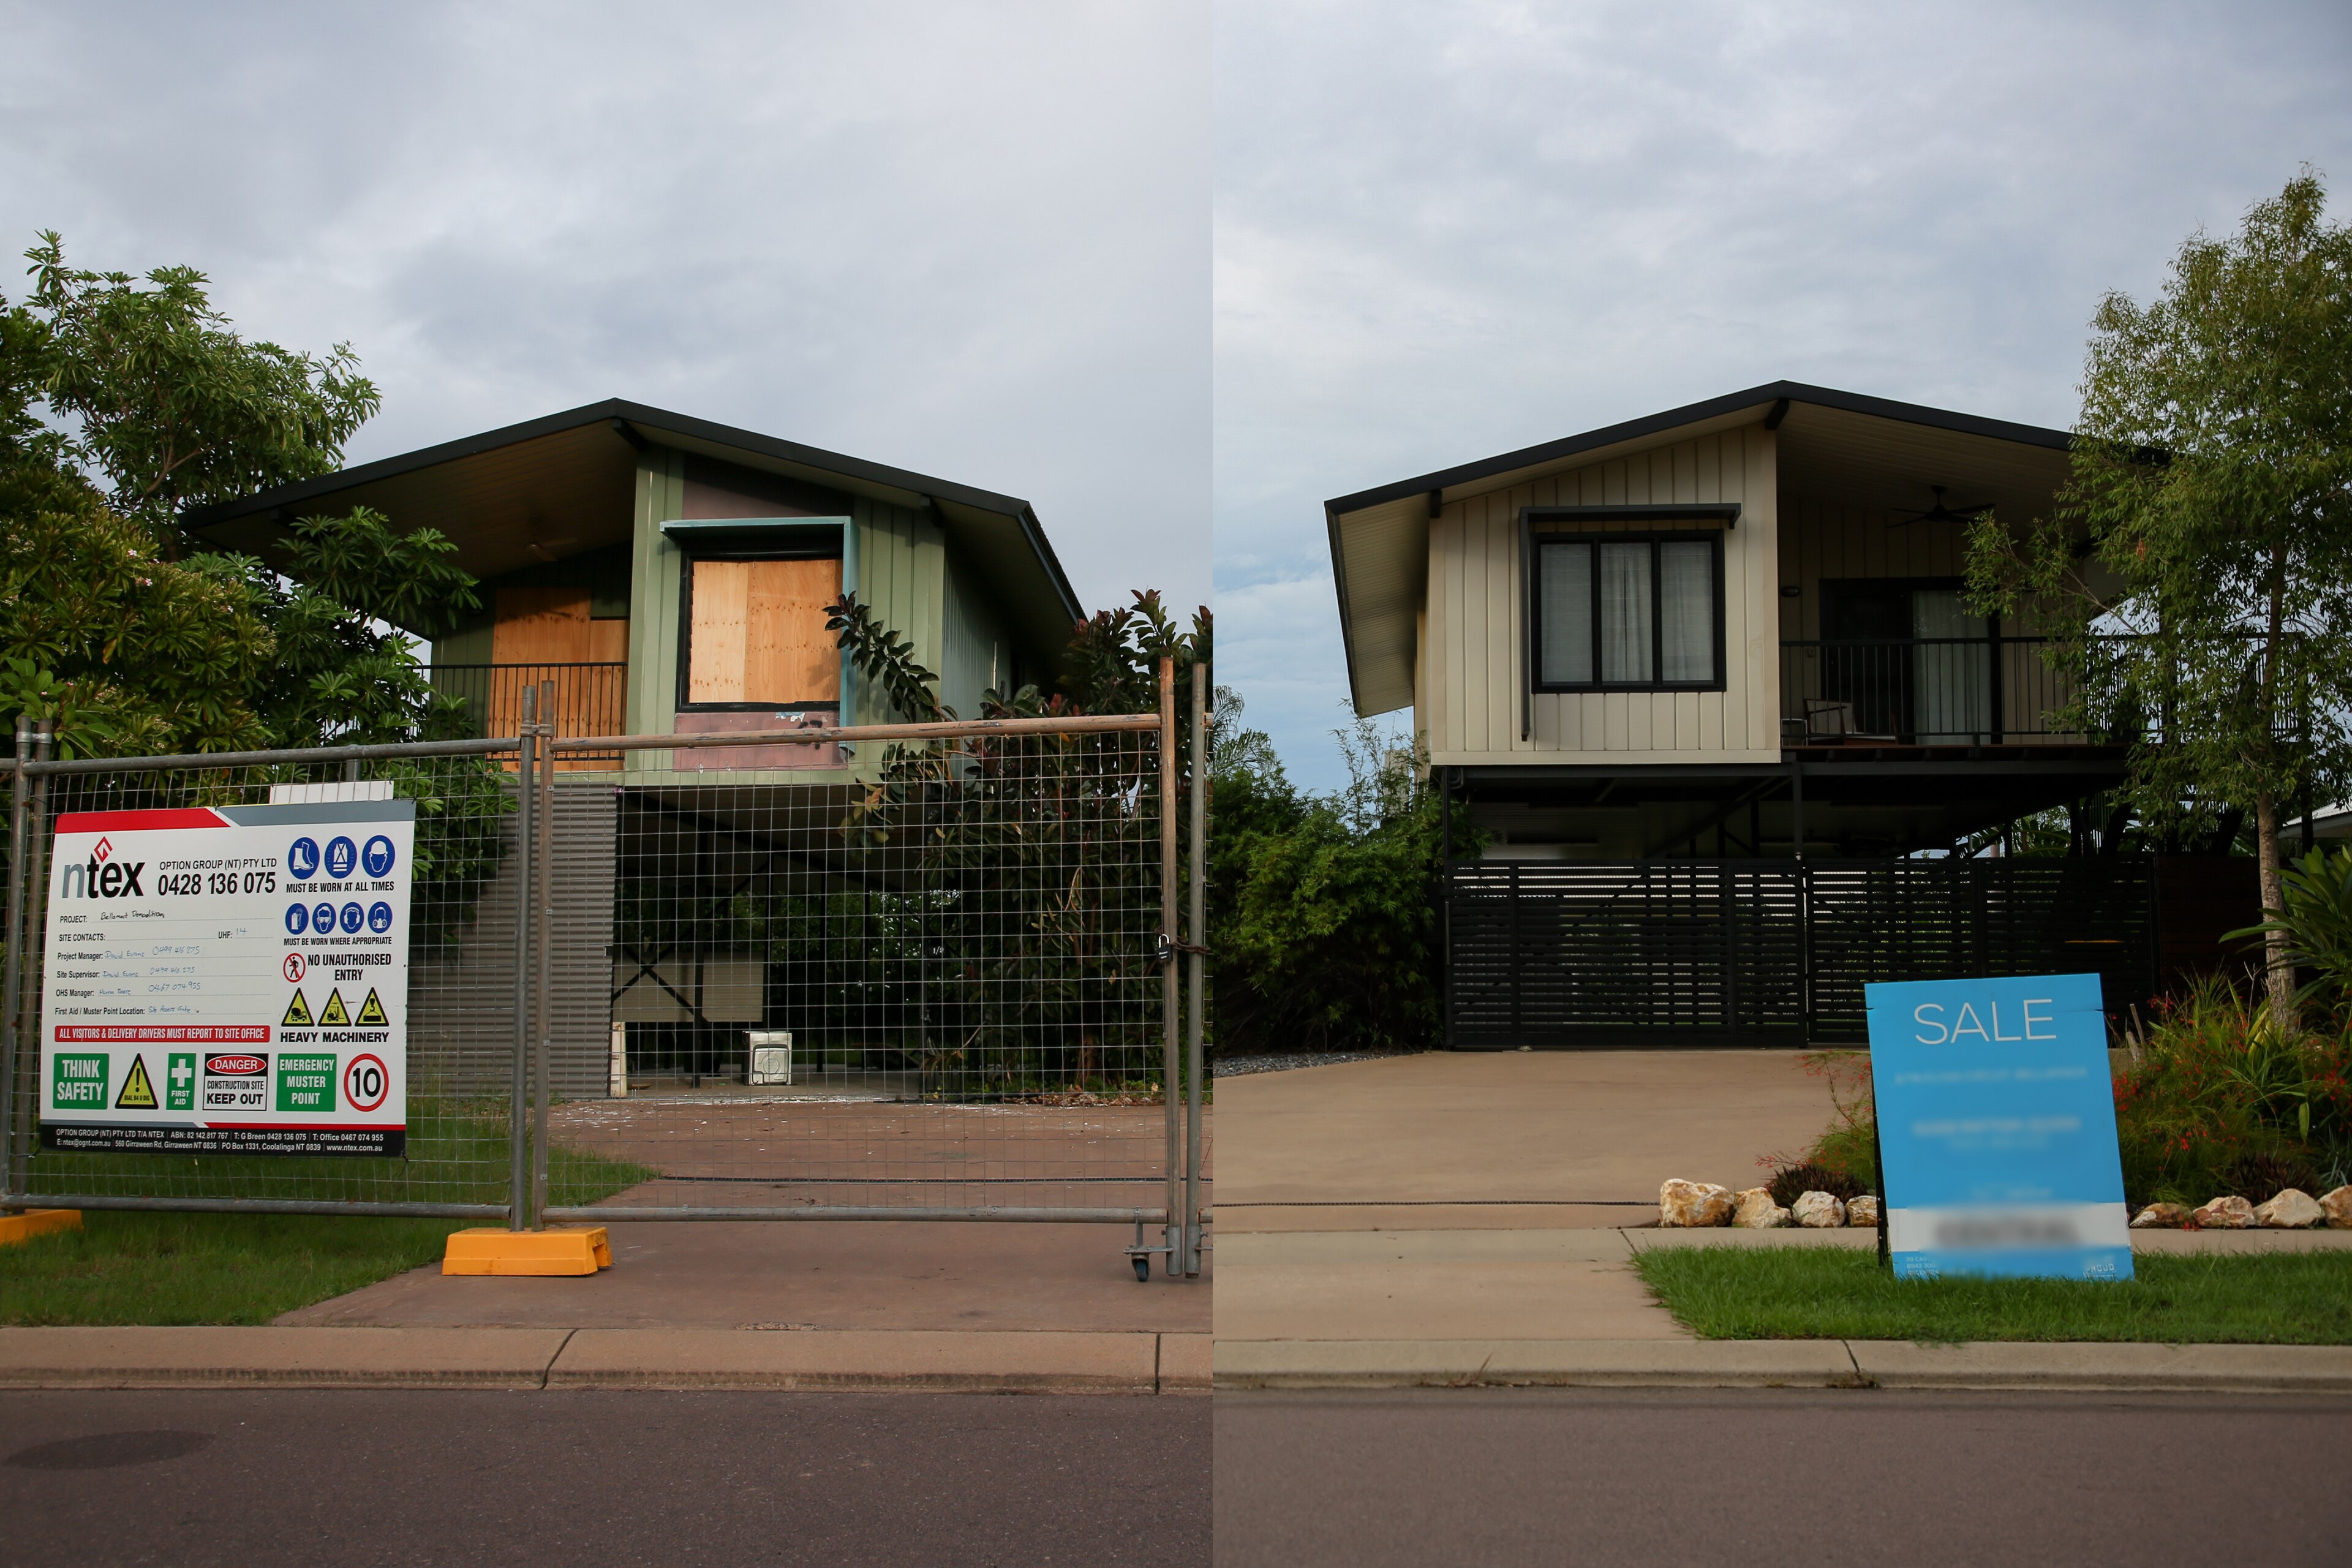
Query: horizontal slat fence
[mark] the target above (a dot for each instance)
(1767, 952)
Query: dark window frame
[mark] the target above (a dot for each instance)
(812, 550)
(1589, 537)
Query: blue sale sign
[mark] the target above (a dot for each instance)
(1996, 1126)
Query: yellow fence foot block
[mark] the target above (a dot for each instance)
(495, 1251)
(24, 1226)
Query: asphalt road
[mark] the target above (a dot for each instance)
(1590, 1477)
(584, 1479)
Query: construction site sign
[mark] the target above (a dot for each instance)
(229, 979)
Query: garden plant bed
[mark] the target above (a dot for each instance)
(1777, 1292)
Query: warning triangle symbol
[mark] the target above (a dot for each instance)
(298, 1013)
(332, 1014)
(372, 1010)
(137, 1094)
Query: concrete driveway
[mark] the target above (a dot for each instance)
(1511, 1140)
(1459, 1197)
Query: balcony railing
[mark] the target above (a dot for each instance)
(1921, 691)
(590, 699)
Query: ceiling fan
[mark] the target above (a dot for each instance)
(1939, 512)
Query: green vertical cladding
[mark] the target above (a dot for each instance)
(471, 646)
(655, 574)
(902, 578)
(976, 641)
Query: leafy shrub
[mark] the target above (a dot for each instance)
(2220, 1101)
(2317, 921)
(1322, 908)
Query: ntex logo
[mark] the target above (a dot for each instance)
(105, 850)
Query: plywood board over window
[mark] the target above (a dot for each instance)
(756, 633)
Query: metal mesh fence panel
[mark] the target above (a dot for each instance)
(937, 991)
(765, 978)
(120, 978)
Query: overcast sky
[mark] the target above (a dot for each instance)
(1448, 230)
(968, 240)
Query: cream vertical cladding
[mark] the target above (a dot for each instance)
(1475, 652)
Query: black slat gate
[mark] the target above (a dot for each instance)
(1758, 952)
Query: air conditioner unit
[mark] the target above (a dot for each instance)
(770, 1056)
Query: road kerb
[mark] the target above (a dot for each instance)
(1782, 1363)
(1185, 1363)
(982, 1360)
(2138, 1368)
(276, 1357)
(1444, 1364)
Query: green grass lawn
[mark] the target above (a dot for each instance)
(1806, 1293)
(166, 1268)
(124, 1268)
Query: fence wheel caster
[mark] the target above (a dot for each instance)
(1142, 1269)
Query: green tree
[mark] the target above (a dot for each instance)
(124, 402)
(2197, 574)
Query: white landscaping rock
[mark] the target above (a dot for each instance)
(2293, 1209)
(1756, 1210)
(1862, 1213)
(2337, 1207)
(1681, 1202)
(2160, 1217)
(1821, 1210)
(2225, 1214)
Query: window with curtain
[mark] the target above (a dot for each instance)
(1629, 611)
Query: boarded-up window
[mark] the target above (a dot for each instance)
(758, 635)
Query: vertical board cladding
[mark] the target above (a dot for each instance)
(1473, 678)
(902, 576)
(461, 1001)
(975, 642)
(656, 568)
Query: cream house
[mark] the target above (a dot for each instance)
(1707, 686)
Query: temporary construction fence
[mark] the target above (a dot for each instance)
(942, 981)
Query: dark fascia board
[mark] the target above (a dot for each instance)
(1712, 408)
(642, 419)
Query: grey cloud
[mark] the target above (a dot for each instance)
(1446, 230)
(968, 240)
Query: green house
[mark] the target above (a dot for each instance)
(670, 576)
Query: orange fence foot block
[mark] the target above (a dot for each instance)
(494, 1251)
(36, 1221)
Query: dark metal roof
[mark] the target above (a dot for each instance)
(253, 522)
(1692, 413)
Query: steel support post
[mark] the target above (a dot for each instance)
(544, 934)
(526, 757)
(1194, 1002)
(1171, 1074)
(25, 1117)
(16, 945)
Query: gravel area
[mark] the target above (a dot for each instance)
(1236, 1067)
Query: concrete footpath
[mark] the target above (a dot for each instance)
(1564, 1308)
(915, 1361)
(905, 1305)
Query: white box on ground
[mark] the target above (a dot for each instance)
(770, 1056)
(617, 1077)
